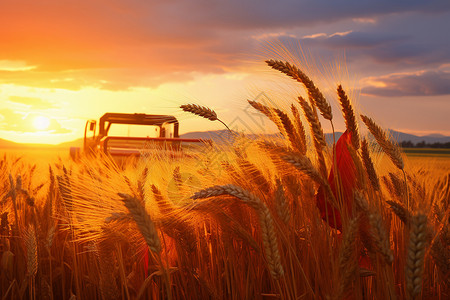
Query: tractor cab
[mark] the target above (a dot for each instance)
(121, 134)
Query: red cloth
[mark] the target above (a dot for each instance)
(346, 170)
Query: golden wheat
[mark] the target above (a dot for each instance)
(314, 93)
(349, 116)
(387, 145)
(416, 255)
(368, 164)
(143, 221)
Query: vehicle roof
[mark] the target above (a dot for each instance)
(140, 119)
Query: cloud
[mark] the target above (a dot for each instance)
(424, 83)
(326, 36)
(14, 65)
(32, 102)
(118, 44)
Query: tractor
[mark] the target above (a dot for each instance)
(98, 136)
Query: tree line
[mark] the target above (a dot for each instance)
(423, 144)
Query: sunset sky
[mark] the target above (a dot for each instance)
(63, 62)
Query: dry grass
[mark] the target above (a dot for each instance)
(239, 221)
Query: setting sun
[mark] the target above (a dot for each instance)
(41, 123)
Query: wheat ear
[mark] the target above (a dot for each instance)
(304, 165)
(300, 129)
(349, 116)
(313, 92)
(441, 256)
(416, 255)
(143, 221)
(265, 219)
(402, 212)
(291, 133)
(275, 115)
(377, 230)
(348, 264)
(316, 132)
(270, 242)
(380, 238)
(387, 145)
(313, 121)
(203, 111)
(281, 203)
(32, 255)
(232, 190)
(263, 109)
(368, 164)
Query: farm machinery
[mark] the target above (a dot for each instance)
(98, 136)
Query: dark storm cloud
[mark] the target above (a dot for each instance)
(428, 83)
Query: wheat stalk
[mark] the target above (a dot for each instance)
(265, 219)
(316, 132)
(304, 165)
(32, 255)
(291, 133)
(203, 111)
(313, 121)
(106, 260)
(281, 203)
(441, 256)
(349, 116)
(313, 92)
(263, 109)
(232, 190)
(416, 255)
(275, 115)
(368, 164)
(380, 238)
(270, 242)
(348, 264)
(397, 184)
(388, 146)
(377, 231)
(300, 130)
(254, 175)
(402, 212)
(143, 221)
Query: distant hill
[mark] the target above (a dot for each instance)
(74, 143)
(429, 139)
(222, 136)
(6, 144)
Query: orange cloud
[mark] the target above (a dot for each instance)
(32, 102)
(112, 45)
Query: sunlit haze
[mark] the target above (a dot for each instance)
(64, 62)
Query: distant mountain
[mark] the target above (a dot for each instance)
(74, 143)
(429, 139)
(223, 136)
(9, 144)
(6, 144)
(220, 136)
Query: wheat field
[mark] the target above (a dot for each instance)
(288, 218)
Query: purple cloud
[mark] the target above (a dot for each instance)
(427, 83)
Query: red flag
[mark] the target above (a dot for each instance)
(343, 168)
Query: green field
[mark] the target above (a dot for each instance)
(426, 152)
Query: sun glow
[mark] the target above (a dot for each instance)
(41, 123)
